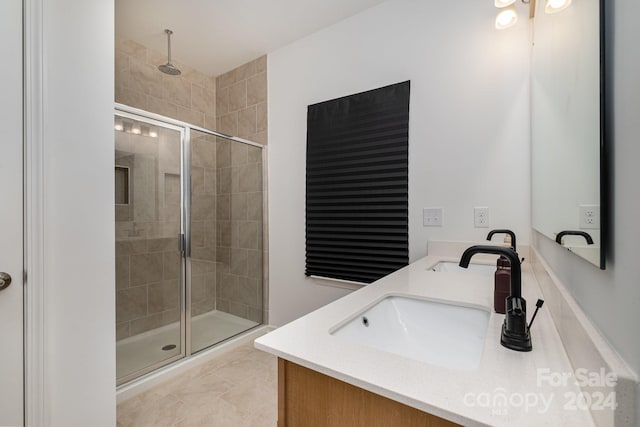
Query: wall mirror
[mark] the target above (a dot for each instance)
(568, 165)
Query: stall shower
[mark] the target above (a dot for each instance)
(189, 239)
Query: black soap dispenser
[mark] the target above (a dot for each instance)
(502, 276)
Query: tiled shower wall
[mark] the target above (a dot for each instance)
(153, 300)
(234, 103)
(190, 97)
(241, 107)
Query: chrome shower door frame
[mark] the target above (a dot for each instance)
(185, 224)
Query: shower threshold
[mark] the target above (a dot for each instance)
(140, 351)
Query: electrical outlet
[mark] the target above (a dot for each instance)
(481, 217)
(589, 216)
(432, 217)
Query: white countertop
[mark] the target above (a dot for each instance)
(495, 394)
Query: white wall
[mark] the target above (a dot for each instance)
(469, 124)
(79, 216)
(611, 298)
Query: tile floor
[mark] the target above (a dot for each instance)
(236, 389)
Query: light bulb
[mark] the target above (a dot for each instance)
(135, 129)
(118, 125)
(153, 134)
(555, 6)
(503, 3)
(506, 18)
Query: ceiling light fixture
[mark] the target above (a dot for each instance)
(555, 6)
(503, 3)
(506, 18)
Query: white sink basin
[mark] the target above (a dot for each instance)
(437, 333)
(450, 266)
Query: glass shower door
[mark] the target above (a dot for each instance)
(225, 239)
(149, 260)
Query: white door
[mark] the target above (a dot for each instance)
(11, 235)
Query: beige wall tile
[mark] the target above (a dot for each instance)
(121, 69)
(190, 116)
(238, 96)
(161, 106)
(156, 58)
(223, 207)
(145, 78)
(222, 101)
(223, 258)
(224, 183)
(164, 296)
(131, 303)
(239, 206)
(261, 64)
(248, 291)
(197, 179)
(164, 244)
(122, 330)
(197, 233)
(226, 79)
(209, 181)
(170, 265)
(131, 48)
(207, 253)
(198, 287)
(210, 122)
(250, 178)
(224, 233)
(177, 90)
(210, 101)
(261, 119)
(229, 124)
(203, 207)
(203, 153)
(145, 268)
(145, 324)
(248, 235)
(254, 206)
(122, 272)
(254, 154)
(245, 71)
(247, 122)
(196, 77)
(238, 262)
(223, 153)
(238, 153)
(130, 97)
(198, 100)
(257, 89)
(210, 233)
(254, 264)
(260, 138)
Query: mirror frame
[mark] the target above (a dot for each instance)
(603, 146)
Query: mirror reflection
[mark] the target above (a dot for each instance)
(566, 128)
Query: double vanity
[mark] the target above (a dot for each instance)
(422, 346)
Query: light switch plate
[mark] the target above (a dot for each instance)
(432, 217)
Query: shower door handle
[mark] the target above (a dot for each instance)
(181, 243)
(5, 281)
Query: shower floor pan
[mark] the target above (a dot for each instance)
(143, 350)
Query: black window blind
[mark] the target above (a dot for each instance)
(357, 185)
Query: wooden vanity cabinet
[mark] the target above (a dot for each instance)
(307, 398)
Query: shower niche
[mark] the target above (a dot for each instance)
(189, 240)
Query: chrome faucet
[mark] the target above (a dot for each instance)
(515, 331)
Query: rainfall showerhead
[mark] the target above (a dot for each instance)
(169, 68)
